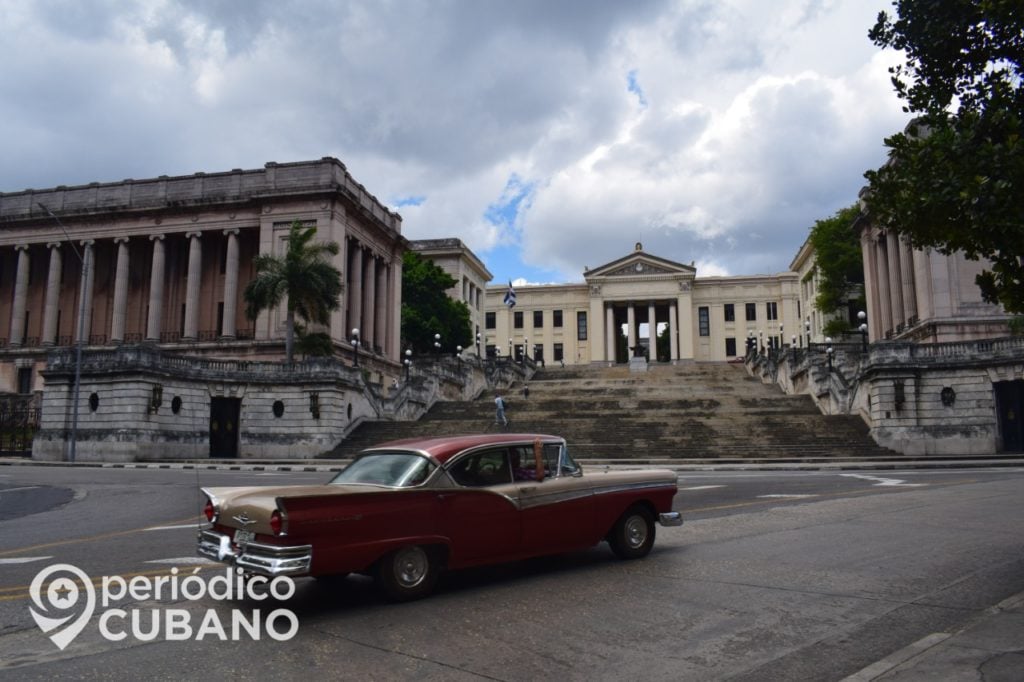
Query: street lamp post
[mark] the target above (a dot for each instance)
(862, 316)
(750, 341)
(437, 345)
(478, 344)
(526, 346)
(760, 335)
(458, 356)
(828, 352)
(355, 346)
(84, 265)
(807, 329)
(408, 363)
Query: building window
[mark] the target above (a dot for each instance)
(751, 312)
(730, 348)
(730, 312)
(559, 355)
(771, 310)
(538, 319)
(24, 380)
(581, 325)
(703, 320)
(556, 318)
(490, 321)
(517, 319)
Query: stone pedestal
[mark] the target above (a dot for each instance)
(638, 364)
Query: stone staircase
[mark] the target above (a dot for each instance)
(711, 411)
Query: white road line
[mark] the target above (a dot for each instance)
(23, 560)
(886, 482)
(183, 561)
(703, 487)
(11, 490)
(785, 497)
(187, 525)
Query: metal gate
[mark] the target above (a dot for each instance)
(17, 427)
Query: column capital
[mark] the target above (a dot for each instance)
(232, 231)
(87, 242)
(121, 240)
(195, 233)
(54, 245)
(156, 237)
(21, 247)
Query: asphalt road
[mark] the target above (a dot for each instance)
(775, 575)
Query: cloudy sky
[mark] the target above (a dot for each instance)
(549, 135)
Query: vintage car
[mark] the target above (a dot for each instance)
(402, 511)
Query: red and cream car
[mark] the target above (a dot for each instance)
(404, 510)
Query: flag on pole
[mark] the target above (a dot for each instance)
(510, 296)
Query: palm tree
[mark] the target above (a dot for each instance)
(304, 274)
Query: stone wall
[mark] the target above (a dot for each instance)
(918, 399)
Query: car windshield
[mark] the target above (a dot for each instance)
(394, 469)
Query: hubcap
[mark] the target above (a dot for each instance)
(636, 531)
(411, 566)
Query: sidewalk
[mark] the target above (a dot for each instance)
(990, 648)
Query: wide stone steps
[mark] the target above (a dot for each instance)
(709, 411)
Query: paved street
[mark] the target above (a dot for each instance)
(776, 575)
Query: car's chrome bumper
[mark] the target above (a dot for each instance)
(255, 557)
(673, 518)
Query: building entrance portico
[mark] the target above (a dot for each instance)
(632, 329)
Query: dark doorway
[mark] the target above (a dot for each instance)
(1010, 405)
(224, 426)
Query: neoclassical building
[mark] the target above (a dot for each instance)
(165, 260)
(623, 306)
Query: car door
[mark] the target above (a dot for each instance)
(558, 511)
(479, 512)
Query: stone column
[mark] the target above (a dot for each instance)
(156, 289)
(369, 299)
(907, 277)
(227, 325)
(885, 302)
(609, 333)
(195, 274)
(652, 332)
(895, 288)
(355, 298)
(869, 257)
(673, 341)
(395, 303)
(85, 305)
(20, 296)
(120, 312)
(52, 295)
(381, 307)
(630, 330)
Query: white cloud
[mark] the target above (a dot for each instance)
(712, 131)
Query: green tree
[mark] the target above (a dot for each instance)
(840, 266)
(955, 176)
(427, 309)
(304, 274)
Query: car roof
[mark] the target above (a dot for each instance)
(443, 448)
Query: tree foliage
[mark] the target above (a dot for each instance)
(955, 176)
(304, 275)
(837, 256)
(427, 310)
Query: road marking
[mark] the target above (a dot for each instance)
(11, 490)
(187, 525)
(886, 482)
(75, 541)
(785, 497)
(178, 561)
(703, 487)
(23, 560)
(22, 591)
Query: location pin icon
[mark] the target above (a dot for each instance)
(57, 591)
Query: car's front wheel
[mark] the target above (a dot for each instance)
(633, 534)
(408, 573)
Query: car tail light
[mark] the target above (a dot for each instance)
(276, 522)
(209, 510)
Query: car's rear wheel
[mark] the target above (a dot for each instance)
(408, 573)
(633, 534)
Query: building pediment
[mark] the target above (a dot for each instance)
(639, 263)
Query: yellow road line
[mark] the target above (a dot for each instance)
(89, 538)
